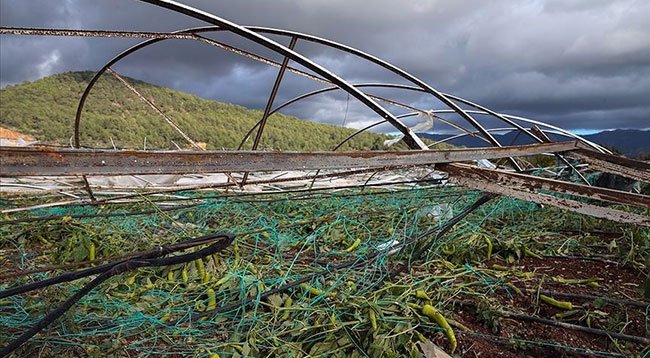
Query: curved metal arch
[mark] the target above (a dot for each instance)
(194, 31)
(251, 34)
(359, 131)
(413, 79)
(492, 130)
(114, 60)
(250, 31)
(412, 88)
(410, 138)
(386, 65)
(460, 135)
(566, 133)
(553, 131)
(328, 89)
(131, 50)
(481, 110)
(143, 44)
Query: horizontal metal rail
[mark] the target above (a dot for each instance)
(629, 168)
(505, 183)
(32, 31)
(530, 182)
(45, 161)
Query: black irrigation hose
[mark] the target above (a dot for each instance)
(85, 263)
(132, 264)
(595, 331)
(72, 276)
(510, 341)
(118, 268)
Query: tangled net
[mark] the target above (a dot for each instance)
(340, 254)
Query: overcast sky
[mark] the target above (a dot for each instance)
(578, 64)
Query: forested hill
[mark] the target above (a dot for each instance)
(46, 108)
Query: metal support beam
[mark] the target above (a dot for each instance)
(545, 139)
(460, 175)
(629, 168)
(410, 138)
(269, 103)
(274, 92)
(46, 161)
(530, 182)
(154, 107)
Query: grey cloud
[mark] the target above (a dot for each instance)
(576, 64)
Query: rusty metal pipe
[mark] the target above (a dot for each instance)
(30, 161)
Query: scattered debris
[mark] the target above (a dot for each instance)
(373, 253)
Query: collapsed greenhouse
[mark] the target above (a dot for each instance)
(414, 249)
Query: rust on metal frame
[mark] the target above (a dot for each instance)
(462, 177)
(193, 34)
(629, 168)
(622, 166)
(32, 31)
(29, 161)
(529, 182)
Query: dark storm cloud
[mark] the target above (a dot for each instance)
(576, 64)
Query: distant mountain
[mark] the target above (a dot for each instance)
(629, 142)
(45, 109)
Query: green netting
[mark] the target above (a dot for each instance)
(280, 238)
